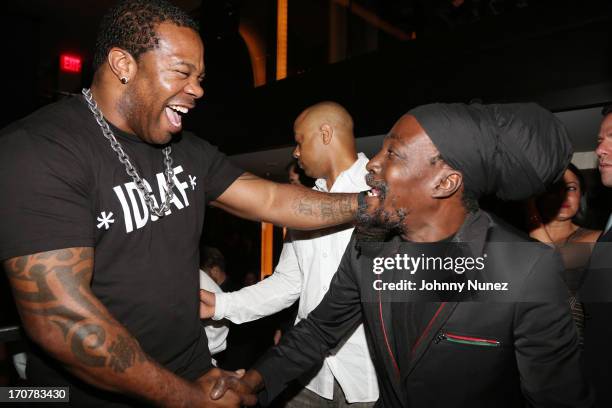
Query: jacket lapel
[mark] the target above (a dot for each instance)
(387, 345)
(380, 315)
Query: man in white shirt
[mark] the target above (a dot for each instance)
(216, 332)
(326, 151)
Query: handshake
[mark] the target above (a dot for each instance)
(230, 389)
(227, 388)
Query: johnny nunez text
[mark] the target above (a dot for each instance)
(434, 285)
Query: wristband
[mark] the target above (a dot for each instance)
(361, 203)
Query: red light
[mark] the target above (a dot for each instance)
(70, 63)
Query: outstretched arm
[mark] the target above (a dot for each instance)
(293, 206)
(271, 295)
(309, 342)
(61, 314)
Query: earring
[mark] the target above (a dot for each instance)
(124, 80)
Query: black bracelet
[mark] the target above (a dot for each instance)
(361, 203)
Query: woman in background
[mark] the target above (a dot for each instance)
(558, 212)
(555, 218)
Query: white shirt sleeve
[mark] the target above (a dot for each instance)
(273, 294)
(215, 331)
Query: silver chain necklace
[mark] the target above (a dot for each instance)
(129, 168)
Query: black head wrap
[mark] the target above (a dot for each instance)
(512, 150)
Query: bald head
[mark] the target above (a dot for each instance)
(325, 140)
(329, 113)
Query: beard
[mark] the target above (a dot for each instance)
(379, 224)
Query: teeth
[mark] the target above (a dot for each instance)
(178, 108)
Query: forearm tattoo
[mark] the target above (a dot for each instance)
(56, 286)
(328, 207)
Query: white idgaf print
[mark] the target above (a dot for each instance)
(136, 214)
(181, 185)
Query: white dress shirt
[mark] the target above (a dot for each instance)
(215, 331)
(306, 266)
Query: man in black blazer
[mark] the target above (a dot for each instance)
(596, 292)
(456, 352)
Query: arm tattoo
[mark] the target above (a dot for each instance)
(304, 207)
(328, 207)
(123, 354)
(55, 285)
(97, 335)
(327, 210)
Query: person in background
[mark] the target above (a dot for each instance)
(554, 217)
(216, 331)
(213, 264)
(596, 291)
(326, 151)
(557, 213)
(297, 176)
(293, 174)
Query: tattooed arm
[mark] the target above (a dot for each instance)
(61, 314)
(296, 207)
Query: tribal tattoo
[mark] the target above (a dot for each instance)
(55, 286)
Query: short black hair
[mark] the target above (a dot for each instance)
(607, 109)
(131, 24)
(211, 257)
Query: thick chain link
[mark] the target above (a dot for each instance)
(145, 190)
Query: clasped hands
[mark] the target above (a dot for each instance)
(227, 388)
(230, 389)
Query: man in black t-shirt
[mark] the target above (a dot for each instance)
(102, 211)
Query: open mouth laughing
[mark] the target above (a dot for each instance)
(174, 114)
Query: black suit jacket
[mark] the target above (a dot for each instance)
(596, 293)
(536, 361)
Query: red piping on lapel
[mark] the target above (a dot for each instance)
(382, 324)
(431, 322)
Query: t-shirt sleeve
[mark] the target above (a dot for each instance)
(45, 201)
(220, 172)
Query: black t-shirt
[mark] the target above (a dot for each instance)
(63, 186)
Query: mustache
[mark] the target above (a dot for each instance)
(378, 184)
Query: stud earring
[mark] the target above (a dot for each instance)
(124, 80)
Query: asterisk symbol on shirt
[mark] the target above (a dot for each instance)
(192, 181)
(105, 220)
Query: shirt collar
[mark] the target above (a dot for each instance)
(354, 174)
